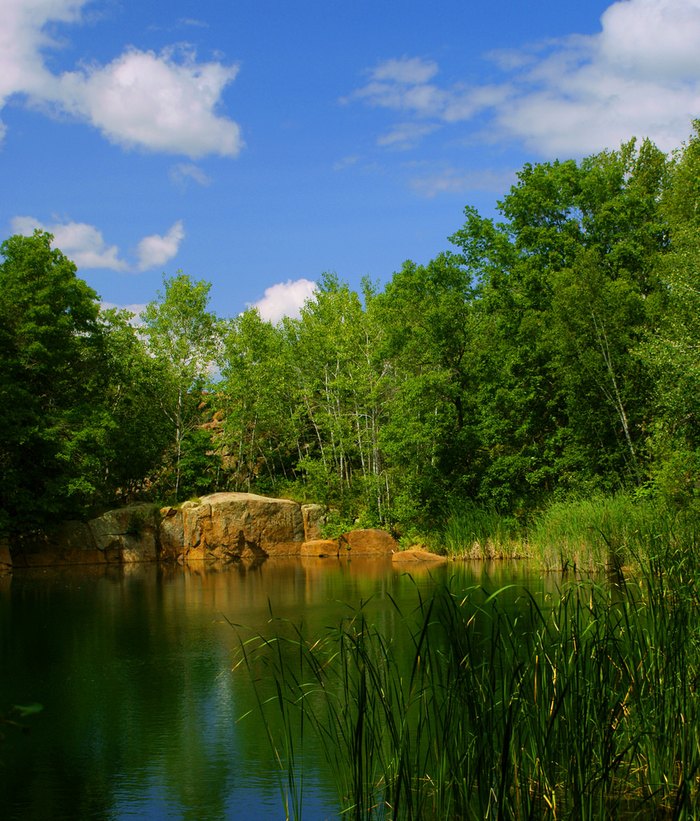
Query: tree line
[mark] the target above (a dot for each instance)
(552, 353)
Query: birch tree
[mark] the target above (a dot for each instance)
(184, 337)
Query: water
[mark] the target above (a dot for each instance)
(143, 714)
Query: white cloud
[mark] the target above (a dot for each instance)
(156, 250)
(285, 299)
(639, 76)
(155, 101)
(182, 173)
(85, 245)
(161, 102)
(406, 135)
(403, 85)
(408, 70)
(80, 242)
(453, 181)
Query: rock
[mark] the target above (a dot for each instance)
(417, 554)
(221, 526)
(234, 526)
(66, 543)
(319, 548)
(171, 534)
(371, 542)
(129, 532)
(314, 517)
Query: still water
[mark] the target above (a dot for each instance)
(144, 715)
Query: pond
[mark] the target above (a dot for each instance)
(144, 714)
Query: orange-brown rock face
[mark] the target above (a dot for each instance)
(368, 543)
(231, 526)
(417, 554)
(319, 548)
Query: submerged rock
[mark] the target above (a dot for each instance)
(417, 554)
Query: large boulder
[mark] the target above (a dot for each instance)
(232, 526)
(128, 534)
(314, 516)
(370, 542)
(319, 548)
(131, 533)
(417, 554)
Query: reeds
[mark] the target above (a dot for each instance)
(480, 532)
(595, 534)
(498, 705)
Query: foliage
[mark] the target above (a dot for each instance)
(51, 416)
(551, 356)
(577, 706)
(183, 338)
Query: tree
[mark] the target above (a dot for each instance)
(567, 289)
(137, 433)
(672, 348)
(257, 396)
(427, 319)
(51, 386)
(184, 338)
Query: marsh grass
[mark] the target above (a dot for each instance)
(481, 532)
(498, 705)
(609, 533)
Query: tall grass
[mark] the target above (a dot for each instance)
(478, 531)
(609, 532)
(603, 532)
(495, 705)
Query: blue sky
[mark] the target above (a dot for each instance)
(257, 143)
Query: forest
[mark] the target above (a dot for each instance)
(545, 358)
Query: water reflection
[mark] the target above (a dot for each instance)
(134, 668)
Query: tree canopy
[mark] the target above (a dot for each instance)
(551, 353)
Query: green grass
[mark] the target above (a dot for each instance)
(596, 534)
(477, 531)
(495, 705)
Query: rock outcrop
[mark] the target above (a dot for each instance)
(128, 534)
(370, 542)
(232, 526)
(221, 526)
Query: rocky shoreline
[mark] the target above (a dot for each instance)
(218, 527)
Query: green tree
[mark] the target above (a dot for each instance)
(567, 290)
(257, 398)
(51, 386)
(332, 350)
(137, 433)
(184, 339)
(427, 317)
(672, 348)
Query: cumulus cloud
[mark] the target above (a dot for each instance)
(638, 76)
(165, 101)
(155, 250)
(285, 299)
(80, 242)
(85, 245)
